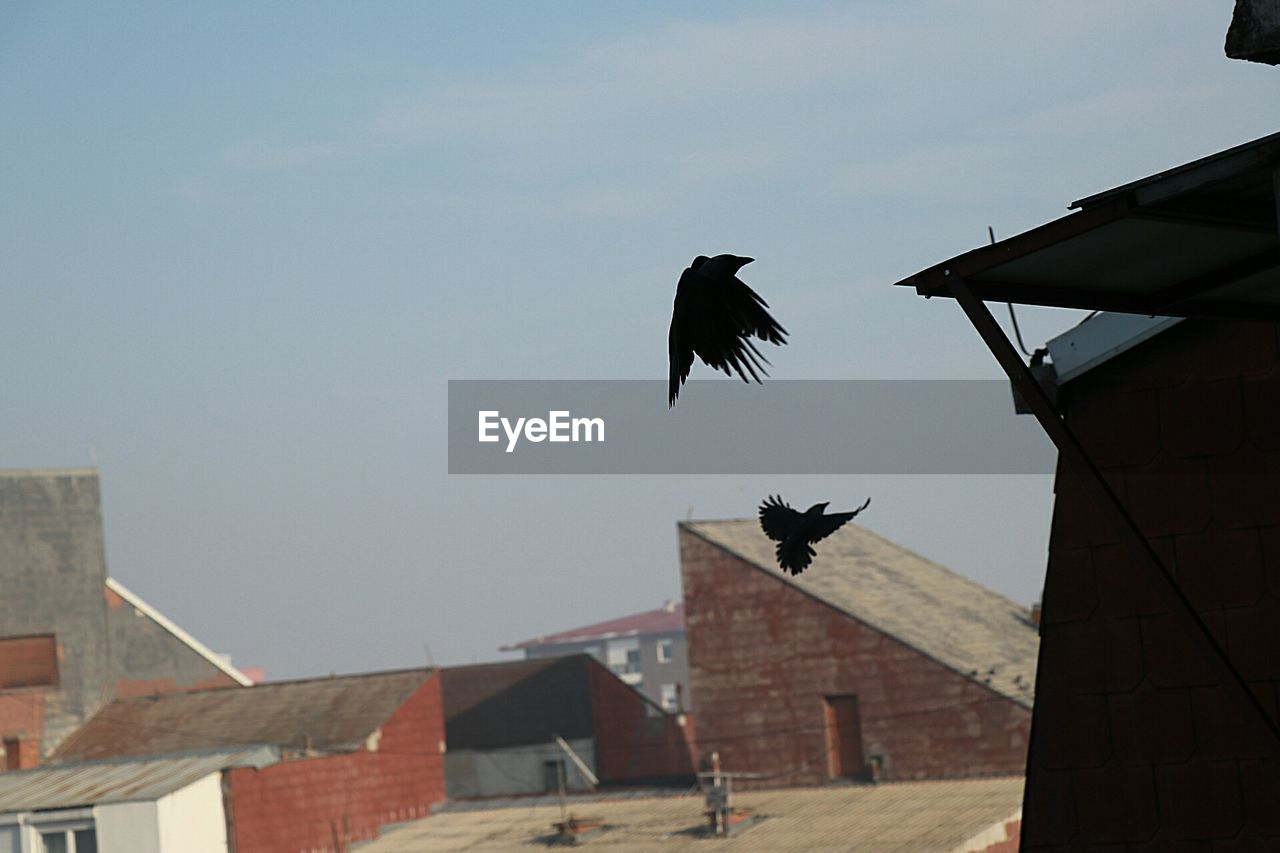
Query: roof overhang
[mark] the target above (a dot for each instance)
(1200, 240)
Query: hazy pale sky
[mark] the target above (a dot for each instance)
(243, 247)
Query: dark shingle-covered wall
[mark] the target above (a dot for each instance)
(1133, 739)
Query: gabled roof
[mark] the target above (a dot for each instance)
(960, 814)
(142, 779)
(664, 620)
(961, 624)
(1197, 240)
(333, 714)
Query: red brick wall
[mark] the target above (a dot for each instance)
(297, 804)
(763, 655)
(636, 741)
(1133, 740)
(22, 716)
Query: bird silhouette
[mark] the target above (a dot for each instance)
(715, 317)
(795, 532)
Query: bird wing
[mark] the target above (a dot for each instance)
(679, 350)
(715, 316)
(777, 519)
(824, 526)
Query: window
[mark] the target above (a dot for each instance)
(83, 839)
(624, 656)
(28, 661)
(664, 651)
(670, 697)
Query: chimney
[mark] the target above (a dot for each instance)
(669, 605)
(1035, 614)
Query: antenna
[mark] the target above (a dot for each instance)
(1017, 333)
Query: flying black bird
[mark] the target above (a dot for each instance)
(715, 317)
(795, 531)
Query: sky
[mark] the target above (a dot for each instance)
(243, 248)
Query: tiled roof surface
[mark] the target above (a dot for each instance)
(915, 816)
(660, 621)
(70, 785)
(327, 714)
(962, 624)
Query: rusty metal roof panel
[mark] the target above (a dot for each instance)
(119, 781)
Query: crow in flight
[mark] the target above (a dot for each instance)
(715, 317)
(795, 531)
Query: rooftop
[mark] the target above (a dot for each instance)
(942, 815)
(1200, 239)
(666, 619)
(334, 714)
(141, 779)
(973, 630)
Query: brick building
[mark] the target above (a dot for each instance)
(501, 718)
(357, 752)
(1135, 738)
(875, 662)
(70, 636)
(1157, 723)
(647, 650)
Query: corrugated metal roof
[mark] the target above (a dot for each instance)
(327, 714)
(70, 785)
(960, 814)
(663, 620)
(974, 630)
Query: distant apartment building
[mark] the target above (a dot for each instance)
(646, 650)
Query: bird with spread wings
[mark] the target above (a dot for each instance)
(715, 317)
(795, 532)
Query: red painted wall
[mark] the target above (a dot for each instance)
(1133, 740)
(297, 804)
(636, 741)
(763, 655)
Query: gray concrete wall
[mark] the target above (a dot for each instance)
(514, 770)
(52, 571)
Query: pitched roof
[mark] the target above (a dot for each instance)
(666, 619)
(330, 714)
(973, 630)
(517, 702)
(83, 784)
(957, 814)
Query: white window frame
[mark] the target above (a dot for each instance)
(665, 650)
(669, 697)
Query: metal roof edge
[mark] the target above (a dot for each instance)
(1100, 339)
